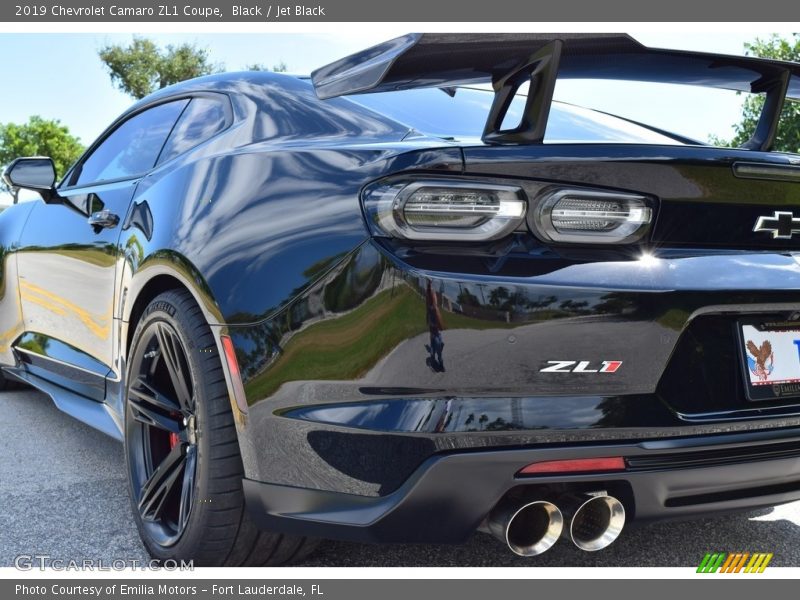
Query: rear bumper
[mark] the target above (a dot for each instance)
(365, 421)
(446, 499)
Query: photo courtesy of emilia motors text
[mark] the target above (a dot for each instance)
(355, 300)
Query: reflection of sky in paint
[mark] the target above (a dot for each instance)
(479, 414)
(754, 271)
(228, 228)
(765, 271)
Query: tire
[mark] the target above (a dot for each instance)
(181, 448)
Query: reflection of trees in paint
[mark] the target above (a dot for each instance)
(338, 289)
(499, 297)
(498, 424)
(36, 342)
(344, 347)
(359, 308)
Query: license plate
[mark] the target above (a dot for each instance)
(771, 359)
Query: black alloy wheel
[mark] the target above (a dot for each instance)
(162, 433)
(184, 466)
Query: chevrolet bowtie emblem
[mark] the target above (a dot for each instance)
(782, 225)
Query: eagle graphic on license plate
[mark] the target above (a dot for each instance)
(771, 360)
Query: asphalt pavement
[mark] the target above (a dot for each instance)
(63, 494)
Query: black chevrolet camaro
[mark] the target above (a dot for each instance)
(412, 297)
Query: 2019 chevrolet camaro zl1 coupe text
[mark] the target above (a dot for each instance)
(412, 297)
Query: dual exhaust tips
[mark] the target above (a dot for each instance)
(592, 522)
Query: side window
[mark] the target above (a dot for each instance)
(202, 119)
(134, 146)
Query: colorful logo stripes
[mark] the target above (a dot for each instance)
(744, 562)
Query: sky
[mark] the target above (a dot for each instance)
(59, 76)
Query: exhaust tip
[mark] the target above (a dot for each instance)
(534, 528)
(597, 523)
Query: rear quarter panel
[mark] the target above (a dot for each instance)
(249, 231)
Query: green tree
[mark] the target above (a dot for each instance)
(788, 136)
(39, 137)
(141, 67)
(467, 298)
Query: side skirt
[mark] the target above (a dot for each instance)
(94, 414)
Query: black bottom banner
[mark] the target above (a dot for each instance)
(377, 589)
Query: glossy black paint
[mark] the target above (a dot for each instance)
(12, 220)
(656, 485)
(671, 324)
(58, 248)
(345, 393)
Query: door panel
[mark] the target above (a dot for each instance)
(11, 326)
(67, 269)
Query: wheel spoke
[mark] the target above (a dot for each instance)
(187, 489)
(171, 353)
(147, 393)
(148, 403)
(147, 416)
(158, 486)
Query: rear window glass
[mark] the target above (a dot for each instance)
(462, 117)
(202, 119)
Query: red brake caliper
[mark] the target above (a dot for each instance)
(174, 440)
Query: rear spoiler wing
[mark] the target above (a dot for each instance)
(508, 60)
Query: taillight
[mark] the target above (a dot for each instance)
(591, 217)
(444, 210)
